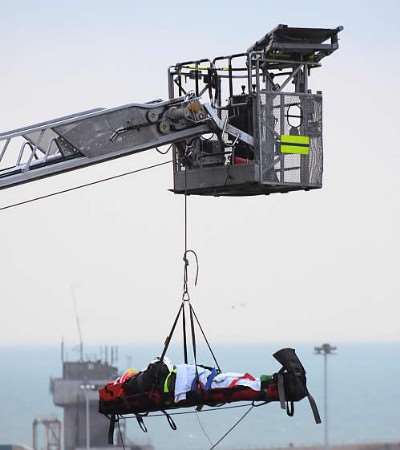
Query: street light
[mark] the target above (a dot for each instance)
(325, 350)
(86, 389)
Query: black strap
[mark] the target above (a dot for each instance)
(281, 391)
(141, 423)
(111, 429)
(170, 420)
(193, 317)
(290, 409)
(193, 342)
(205, 338)
(185, 351)
(193, 335)
(168, 340)
(314, 408)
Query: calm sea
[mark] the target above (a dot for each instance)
(364, 397)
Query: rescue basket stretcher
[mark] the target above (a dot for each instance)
(115, 400)
(287, 386)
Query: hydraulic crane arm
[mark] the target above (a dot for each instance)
(94, 136)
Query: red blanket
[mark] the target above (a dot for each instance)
(115, 400)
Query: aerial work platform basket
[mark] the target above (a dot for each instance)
(284, 157)
(280, 149)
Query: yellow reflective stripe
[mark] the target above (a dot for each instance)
(295, 139)
(295, 149)
(166, 388)
(292, 143)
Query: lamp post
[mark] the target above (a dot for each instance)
(325, 350)
(86, 388)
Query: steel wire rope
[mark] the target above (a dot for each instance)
(207, 436)
(213, 446)
(81, 186)
(241, 418)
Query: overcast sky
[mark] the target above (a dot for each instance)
(307, 266)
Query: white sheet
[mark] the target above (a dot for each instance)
(186, 373)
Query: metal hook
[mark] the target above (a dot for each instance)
(186, 261)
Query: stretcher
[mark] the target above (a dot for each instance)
(287, 386)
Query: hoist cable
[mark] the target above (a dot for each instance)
(193, 319)
(186, 296)
(232, 428)
(92, 183)
(205, 338)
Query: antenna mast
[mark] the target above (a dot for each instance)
(78, 325)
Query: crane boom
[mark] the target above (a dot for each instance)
(95, 136)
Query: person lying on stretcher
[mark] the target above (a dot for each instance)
(163, 386)
(181, 379)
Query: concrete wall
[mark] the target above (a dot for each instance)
(68, 394)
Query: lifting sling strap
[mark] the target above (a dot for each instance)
(111, 429)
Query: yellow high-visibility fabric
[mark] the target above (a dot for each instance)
(166, 388)
(293, 143)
